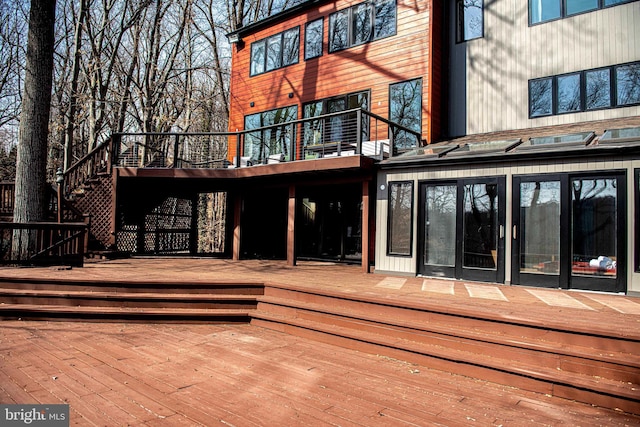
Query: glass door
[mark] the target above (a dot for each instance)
(536, 231)
(438, 237)
(482, 230)
(568, 232)
(462, 229)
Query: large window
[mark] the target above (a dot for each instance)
(340, 128)
(275, 141)
(275, 52)
(548, 10)
(362, 23)
(399, 240)
(405, 108)
(585, 90)
(469, 18)
(313, 39)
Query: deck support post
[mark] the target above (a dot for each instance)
(365, 227)
(237, 211)
(291, 227)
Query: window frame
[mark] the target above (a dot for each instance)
(421, 104)
(306, 29)
(372, 7)
(460, 22)
(563, 10)
(613, 90)
(282, 43)
(408, 224)
(261, 118)
(636, 238)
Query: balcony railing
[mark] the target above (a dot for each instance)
(352, 132)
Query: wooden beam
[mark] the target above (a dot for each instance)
(365, 227)
(237, 211)
(291, 227)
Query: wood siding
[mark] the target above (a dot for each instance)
(489, 90)
(372, 66)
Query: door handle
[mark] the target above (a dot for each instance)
(515, 227)
(502, 231)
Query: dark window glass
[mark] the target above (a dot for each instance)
(614, 2)
(313, 39)
(338, 30)
(568, 93)
(312, 130)
(385, 20)
(400, 218)
(541, 97)
(628, 84)
(290, 53)
(257, 57)
(598, 89)
(579, 6)
(336, 128)
(480, 226)
(274, 52)
(261, 144)
(470, 19)
(543, 10)
(361, 23)
(405, 108)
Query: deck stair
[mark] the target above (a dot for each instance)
(128, 301)
(554, 359)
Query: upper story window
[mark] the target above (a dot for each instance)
(362, 23)
(609, 87)
(470, 21)
(313, 35)
(405, 108)
(548, 10)
(276, 51)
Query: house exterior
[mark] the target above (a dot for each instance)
(327, 60)
(523, 164)
(538, 183)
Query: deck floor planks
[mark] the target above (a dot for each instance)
(357, 383)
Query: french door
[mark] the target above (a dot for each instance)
(462, 229)
(568, 231)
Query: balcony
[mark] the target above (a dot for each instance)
(349, 133)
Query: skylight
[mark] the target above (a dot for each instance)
(621, 135)
(582, 138)
(486, 147)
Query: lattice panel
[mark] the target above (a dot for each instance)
(97, 203)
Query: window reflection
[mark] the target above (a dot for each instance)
(440, 227)
(480, 226)
(470, 19)
(257, 57)
(594, 226)
(313, 39)
(406, 109)
(361, 15)
(540, 97)
(579, 6)
(543, 10)
(385, 20)
(539, 227)
(569, 93)
(338, 30)
(400, 217)
(628, 84)
(274, 53)
(261, 144)
(598, 89)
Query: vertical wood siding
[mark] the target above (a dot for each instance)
(373, 66)
(490, 75)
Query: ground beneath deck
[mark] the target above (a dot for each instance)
(114, 374)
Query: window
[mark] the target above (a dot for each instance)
(405, 108)
(362, 23)
(598, 89)
(628, 84)
(261, 144)
(637, 238)
(585, 90)
(335, 128)
(313, 39)
(400, 226)
(275, 52)
(469, 20)
(548, 10)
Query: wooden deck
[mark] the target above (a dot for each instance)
(243, 375)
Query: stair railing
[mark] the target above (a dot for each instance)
(96, 161)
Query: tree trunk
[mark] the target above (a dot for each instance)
(31, 166)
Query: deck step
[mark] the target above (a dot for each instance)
(600, 370)
(117, 314)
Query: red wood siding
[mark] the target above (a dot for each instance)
(372, 66)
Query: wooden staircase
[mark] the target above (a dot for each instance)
(128, 301)
(599, 369)
(556, 358)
